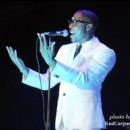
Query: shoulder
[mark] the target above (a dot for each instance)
(105, 54)
(103, 48)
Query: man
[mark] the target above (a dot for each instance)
(81, 76)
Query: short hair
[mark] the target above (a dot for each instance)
(91, 15)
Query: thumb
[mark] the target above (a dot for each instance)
(52, 46)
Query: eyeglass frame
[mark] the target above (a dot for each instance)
(74, 21)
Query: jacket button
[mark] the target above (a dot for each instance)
(64, 94)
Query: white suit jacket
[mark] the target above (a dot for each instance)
(79, 103)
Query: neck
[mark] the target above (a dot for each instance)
(85, 39)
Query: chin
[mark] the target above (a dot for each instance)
(73, 40)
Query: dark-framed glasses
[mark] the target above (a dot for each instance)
(74, 22)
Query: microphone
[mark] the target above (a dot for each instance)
(63, 33)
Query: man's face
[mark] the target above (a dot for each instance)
(77, 28)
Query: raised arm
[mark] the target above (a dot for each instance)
(17, 61)
(47, 52)
(31, 77)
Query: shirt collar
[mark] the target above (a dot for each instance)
(91, 42)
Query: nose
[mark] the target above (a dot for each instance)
(70, 26)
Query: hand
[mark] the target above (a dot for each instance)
(17, 61)
(46, 51)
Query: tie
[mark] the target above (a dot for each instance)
(77, 50)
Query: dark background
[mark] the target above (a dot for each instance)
(21, 105)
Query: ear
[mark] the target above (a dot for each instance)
(89, 27)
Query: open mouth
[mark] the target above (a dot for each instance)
(71, 33)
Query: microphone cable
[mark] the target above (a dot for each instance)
(42, 95)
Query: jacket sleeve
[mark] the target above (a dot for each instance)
(39, 81)
(89, 73)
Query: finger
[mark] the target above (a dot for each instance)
(12, 53)
(41, 47)
(45, 41)
(16, 58)
(9, 50)
(15, 54)
(41, 41)
(39, 37)
(53, 46)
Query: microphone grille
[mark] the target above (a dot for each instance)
(65, 33)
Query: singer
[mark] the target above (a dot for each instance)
(80, 67)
